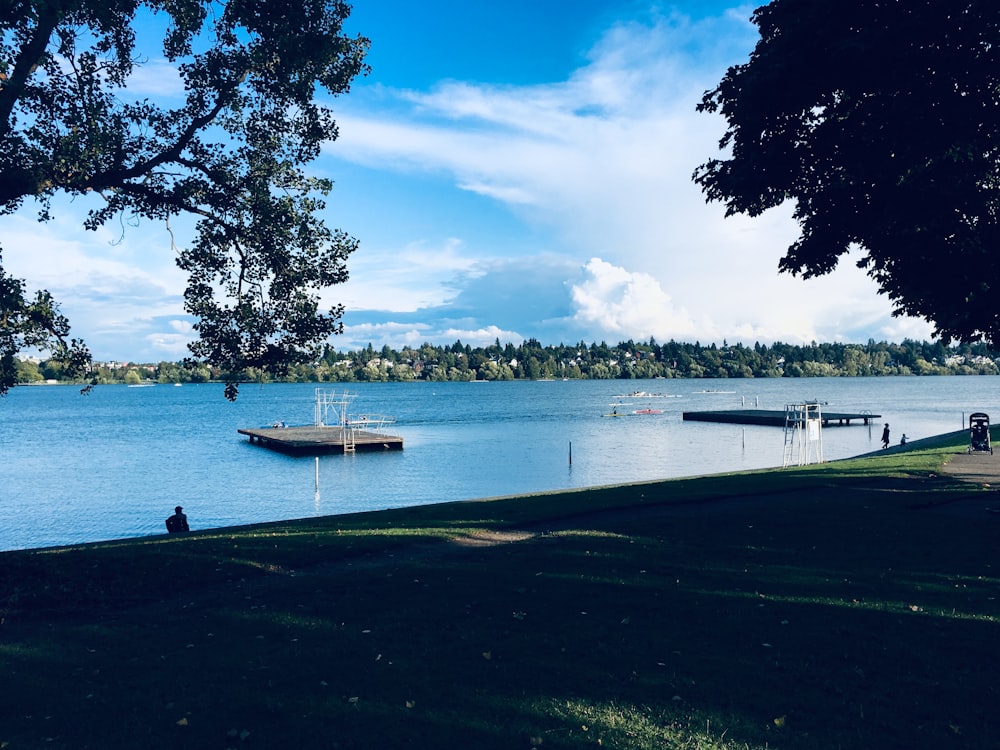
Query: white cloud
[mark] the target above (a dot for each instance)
(113, 287)
(173, 345)
(399, 335)
(512, 195)
(156, 79)
(480, 336)
(628, 305)
(417, 276)
(61, 253)
(396, 335)
(604, 162)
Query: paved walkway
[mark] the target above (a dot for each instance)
(982, 468)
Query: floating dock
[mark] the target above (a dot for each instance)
(334, 430)
(313, 439)
(773, 417)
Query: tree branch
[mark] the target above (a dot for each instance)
(26, 62)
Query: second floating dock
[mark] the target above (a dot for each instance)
(772, 417)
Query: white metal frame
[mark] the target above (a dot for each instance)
(803, 434)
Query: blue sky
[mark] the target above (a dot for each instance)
(512, 170)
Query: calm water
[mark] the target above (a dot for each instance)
(114, 463)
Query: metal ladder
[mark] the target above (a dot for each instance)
(791, 436)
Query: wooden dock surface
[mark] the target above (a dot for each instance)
(321, 439)
(772, 417)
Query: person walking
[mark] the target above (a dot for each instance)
(885, 436)
(178, 521)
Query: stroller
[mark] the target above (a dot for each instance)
(979, 433)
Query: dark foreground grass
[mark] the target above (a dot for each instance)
(851, 605)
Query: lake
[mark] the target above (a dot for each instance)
(114, 463)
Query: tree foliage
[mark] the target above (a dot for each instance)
(627, 360)
(881, 120)
(229, 153)
(32, 323)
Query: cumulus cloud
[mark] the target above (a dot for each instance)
(629, 305)
(480, 336)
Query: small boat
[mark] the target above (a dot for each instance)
(648, 411)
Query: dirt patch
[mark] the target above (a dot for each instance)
(493, 537)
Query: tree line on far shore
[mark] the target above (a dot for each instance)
(531, 360)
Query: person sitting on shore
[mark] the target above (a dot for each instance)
(178, 521)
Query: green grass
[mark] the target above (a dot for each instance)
(848, 605)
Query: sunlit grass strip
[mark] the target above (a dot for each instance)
(898, 606)
(614, 724)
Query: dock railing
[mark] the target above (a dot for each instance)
(377, 423)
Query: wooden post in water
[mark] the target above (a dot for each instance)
(570, 452)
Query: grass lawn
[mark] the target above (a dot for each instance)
(848, 605)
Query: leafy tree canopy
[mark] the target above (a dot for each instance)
(881, 120)
(230, 155)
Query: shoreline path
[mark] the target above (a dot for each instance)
(981, 468)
